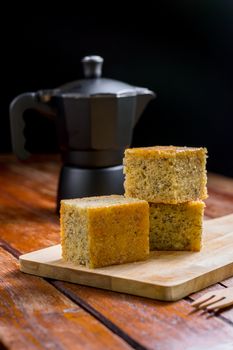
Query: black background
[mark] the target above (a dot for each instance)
(183, 50)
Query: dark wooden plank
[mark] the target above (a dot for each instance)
(35, 315)
(36, 225)
(220, 184)
(23, 229)
(154, 324)
(220, 201)
(140, 317)
(227, 314)
(218, 205)
(28, 184)
(228, 282)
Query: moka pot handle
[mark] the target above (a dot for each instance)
(28, 100)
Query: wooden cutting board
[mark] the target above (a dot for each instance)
(164, 276)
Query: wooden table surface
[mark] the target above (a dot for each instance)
(37, 313)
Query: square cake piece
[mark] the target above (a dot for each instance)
(176, 226)
(165, 174)
(105, 230)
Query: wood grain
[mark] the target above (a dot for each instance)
(34, 315)
(23, 228)
(154, 277)
(220, 201)
(34, 185)
(156, 325)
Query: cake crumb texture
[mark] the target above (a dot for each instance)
(105, 230)
(176, 226)
(166, 174)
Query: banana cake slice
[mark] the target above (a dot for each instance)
(165, 174)
(105, 230)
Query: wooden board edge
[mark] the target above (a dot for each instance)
(116, 284)
(138, 288)
(179, 291)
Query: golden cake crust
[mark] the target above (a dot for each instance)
(165, 151)
(105, 230)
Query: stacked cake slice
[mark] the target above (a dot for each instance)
(173, 181)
